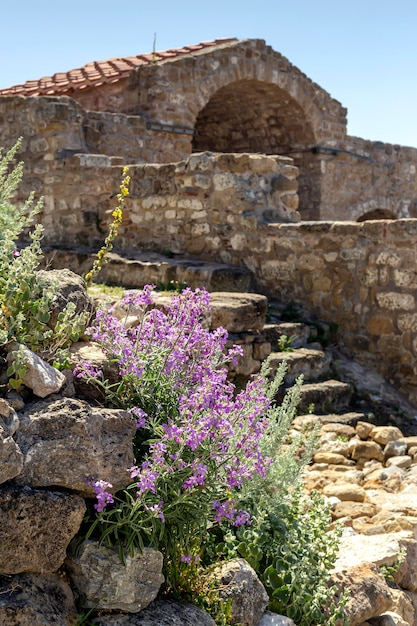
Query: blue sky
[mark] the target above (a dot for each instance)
(364, 53)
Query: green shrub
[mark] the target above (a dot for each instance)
(288, 543)
(284, 343)
(26, 297)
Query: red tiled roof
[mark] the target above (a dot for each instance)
(98, 72)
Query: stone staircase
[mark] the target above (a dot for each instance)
(320, 393)
(333, 384)
(334, 387)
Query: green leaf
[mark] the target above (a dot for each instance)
(44, 317)
(11, 369)
(272, 578)
(15, 383)
(281, 594)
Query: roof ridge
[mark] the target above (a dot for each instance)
(94, 73)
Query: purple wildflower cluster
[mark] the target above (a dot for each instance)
(208, 436)
(140, 415)
(87, 370)
(103, 496)
(227, 511)
(190, 558)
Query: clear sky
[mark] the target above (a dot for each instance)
(363, 52)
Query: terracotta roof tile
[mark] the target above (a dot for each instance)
(97, 73)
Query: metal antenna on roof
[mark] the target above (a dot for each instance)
(154, 49)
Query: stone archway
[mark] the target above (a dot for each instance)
(377, 214)
(256, 116)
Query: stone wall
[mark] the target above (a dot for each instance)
(369, 180)
(193, 205)
(206, 204)
(239, 98)
(360, 276)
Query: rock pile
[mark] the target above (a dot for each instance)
(369, 474)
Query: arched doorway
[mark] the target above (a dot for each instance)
(377, 214)
(255, 116)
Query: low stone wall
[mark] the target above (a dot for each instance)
(201, 205)
(208, 202)
(360, 276)
(366, 178)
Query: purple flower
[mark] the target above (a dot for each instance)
(16, 253)
(198, 477)
(138, 299)
(186, 558)
(202, 434)
(157, 509)
(86, 369)
(242, 518)
(103, 497)
(227, 511)
(140, 417)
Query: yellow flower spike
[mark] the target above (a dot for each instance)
(117, 216)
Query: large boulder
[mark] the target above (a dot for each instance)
(159, 613)
(370, 595)
(36, 600)
(106, 583)
(11, 458)
(68, 287)
(41, 377)
(36, 528)
(66, 441)
(380, 549)
(237, 581)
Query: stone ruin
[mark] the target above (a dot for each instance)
(221, 96)
(238, 158)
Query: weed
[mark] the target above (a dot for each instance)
(26, 295)
(284, 343)
(389, 571)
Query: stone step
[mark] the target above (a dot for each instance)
(308, 421)
(239, 313)
(325, 397)
(313, 364)
(139, 269)
(296, 332)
